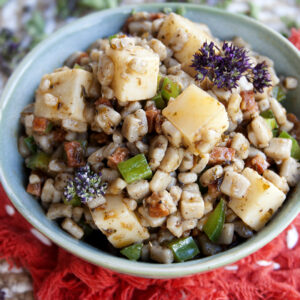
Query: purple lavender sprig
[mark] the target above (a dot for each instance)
(86, 185)
(225, 67)
(261, 78)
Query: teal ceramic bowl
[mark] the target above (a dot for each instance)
(79, 35)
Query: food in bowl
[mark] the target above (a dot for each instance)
(170, 143)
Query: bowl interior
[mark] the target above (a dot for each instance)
(78, 36)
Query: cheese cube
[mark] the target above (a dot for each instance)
(200, 118)
(135, 73)
(261, 201)
(184, 37)
(65, 89)
(120, 225)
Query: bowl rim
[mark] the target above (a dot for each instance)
(107, 260)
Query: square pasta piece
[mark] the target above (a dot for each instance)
(261, 201)
(185, 38)
(200, 118)
(60, 94)
(135, 73)
(120, 225)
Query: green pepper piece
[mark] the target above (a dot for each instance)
(295, 151)
(30, 144)
(278, 93)
(267, 114)
(132, 252)
(159, 101)
(38, 161)
(49, 127)
(275, 132)
(184, 249)
(135, 168)
(112, 37)
(169, 89)
(214, 224)
(77, 66)
(74, 202)
(271, 123)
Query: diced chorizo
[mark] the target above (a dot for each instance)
(75, 154)
(34, 189)
(248, 103)
(158, 123)
(103, 101)
(99, 138)
(151, 115)
(119, 155)
(258, 163)
(160, 204)
(59, 135)
(220, 155)
(41, 125)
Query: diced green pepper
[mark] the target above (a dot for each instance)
(77, 66)
(278, 93)
(132, 252)
(214, 224)
(38, 161)
(184, 249)
(112, 37)
(169, 89)
(267, 114)
(49, 127)
(295, 151)
(74, 202)
(135, 168)
(275, 132)
(30, 144)
(271, 123)
(159, 101)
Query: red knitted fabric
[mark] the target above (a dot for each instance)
(295, 37)
(271, 273)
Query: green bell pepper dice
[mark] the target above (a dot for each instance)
(271, 123)
(278, 93)
(214, 224)
(75, 201)
(295, 151)
(169, 89)
(267, 114)
(135, 168)
(38, 161)
(30, 144)
(184, 249)
(132, 252)
(159, 101)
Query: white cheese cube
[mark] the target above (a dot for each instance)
(120, 225)
(135, 73)
(184, 37)
(199, 117)
(68, 87)
(260, 202)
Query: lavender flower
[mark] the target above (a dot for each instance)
(225, 67)
(86, 185)
(261, 77)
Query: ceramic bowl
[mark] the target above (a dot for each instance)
(78, 35)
